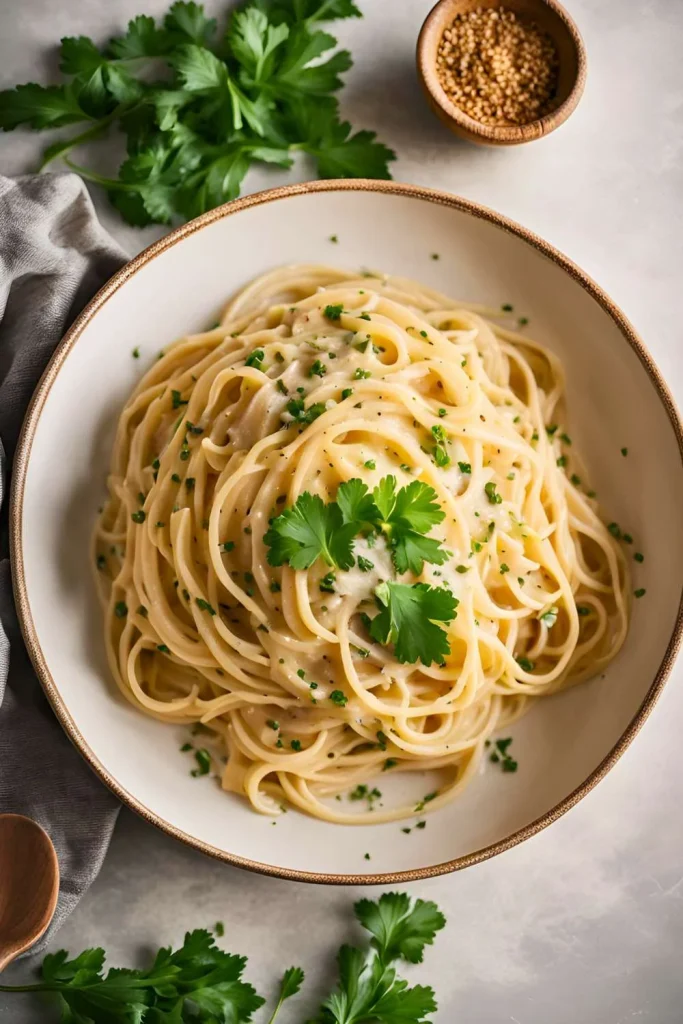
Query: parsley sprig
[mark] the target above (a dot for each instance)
(369, 988)
(313, 529)
(201, 983)
(198, 108)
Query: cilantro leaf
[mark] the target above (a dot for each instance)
(399, 929)
(409, 617)
(308, 530)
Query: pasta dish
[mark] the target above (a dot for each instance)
(347, 533)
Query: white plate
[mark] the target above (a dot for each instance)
(616, 399)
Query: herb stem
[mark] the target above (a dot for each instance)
(98, 179)
(93, 132)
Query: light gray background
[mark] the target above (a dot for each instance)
(583, 923)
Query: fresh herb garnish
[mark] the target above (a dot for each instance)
(410, 618)
(295, 408)
(203, 759)
(492, 494)
(440, 451)
(197, 109)
(311, 529)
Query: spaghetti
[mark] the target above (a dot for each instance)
(314, 378)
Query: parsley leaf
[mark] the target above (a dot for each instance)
(308, 530)
(291, 982)
(368, 988)
(405, 516)
(400, 929)
(409, 617)
(197, 982)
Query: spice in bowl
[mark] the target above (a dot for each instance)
(497, 67)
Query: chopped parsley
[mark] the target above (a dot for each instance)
(327, 583)
(624, 452)
(549, 617)
(525, 664)
(138, 517)
(120, 609)
(501, 756)
(639, 557)
(318, 369)
(295, 408)
(440, 451)
(339, 698)
(203, 759)
(255, 359)
(136, 353)
(465, 468)
(204, 606)
(361, 374)
(333, 312)
(640, 592)
(492, 494)
(177, 399)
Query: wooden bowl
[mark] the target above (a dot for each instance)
(552, 18)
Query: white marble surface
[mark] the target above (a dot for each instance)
(585, 921)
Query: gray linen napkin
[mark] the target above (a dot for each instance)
(53, 256)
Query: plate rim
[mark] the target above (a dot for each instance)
(22, 459)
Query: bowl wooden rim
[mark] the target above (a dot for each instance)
(23, 454)
(462, 123)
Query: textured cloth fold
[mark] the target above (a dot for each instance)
(54, 255)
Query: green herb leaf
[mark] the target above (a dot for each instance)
(409, 618)
(308, 530)
(399, 928)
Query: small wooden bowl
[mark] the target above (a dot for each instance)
(552, 18)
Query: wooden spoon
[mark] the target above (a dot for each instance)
(29, 884)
